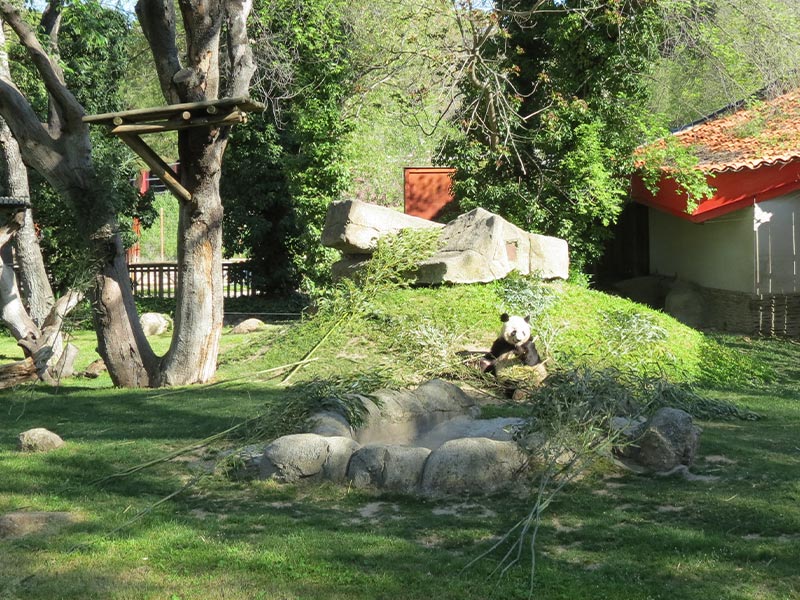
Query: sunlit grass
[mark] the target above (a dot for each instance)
(611, 535)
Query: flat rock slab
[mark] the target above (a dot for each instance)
(480, 246)
(354, 227)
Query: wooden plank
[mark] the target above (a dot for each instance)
(141, 128)
(160, 168)
(244, 103)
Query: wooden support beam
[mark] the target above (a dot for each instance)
(161, 169)
(142, 128)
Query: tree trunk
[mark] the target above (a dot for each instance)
(35, 285)
(192, 357)
(121, 342)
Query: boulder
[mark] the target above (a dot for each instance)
(249, 326)
(500, 428)
(353, 227)
(388, 467)
(668, 439)
(340, 451)
(399, 417)
(155, 323)
(38, 440)
(329, 423)
(293, 458)
(479, 247)
(472, 465)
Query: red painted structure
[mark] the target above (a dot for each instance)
(427, 190)
(734, 190)
(749, 153)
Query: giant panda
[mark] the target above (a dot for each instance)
(513, 346)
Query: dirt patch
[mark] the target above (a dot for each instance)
(20, 524)
(465, 509)
(668, 508)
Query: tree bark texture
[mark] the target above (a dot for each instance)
(60, 151)
(193, 353)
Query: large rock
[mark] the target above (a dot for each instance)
(38, 440)
(480, 246)
(668, 439)
(400, 417)
(472, 465)
(500, 428)
(353, 227)
(388, 467)
(302, 456)
(249, 326)
(155, 323)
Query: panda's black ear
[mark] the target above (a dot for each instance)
(504, 317)
(528, 319)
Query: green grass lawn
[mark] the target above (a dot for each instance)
(735, 534)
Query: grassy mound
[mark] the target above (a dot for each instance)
(415, 334)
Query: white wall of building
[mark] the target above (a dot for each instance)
(719, 253)
(777, 229)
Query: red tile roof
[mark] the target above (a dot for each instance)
(766, 133)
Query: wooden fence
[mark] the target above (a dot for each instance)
(159, 279)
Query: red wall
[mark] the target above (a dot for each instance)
(427, 190)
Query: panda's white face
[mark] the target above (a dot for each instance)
(516, 330)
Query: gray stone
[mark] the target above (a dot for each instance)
(650, 290)
(294, 457)
(349, 265)
(302, 456)
(38, 440)
(388, 467)
(94, 369)
(340, 451)
(627, 432)
(480, 246)
(329, 423)
(500, 428)
(249, 326)
(472, 465)
(353, 227)
(155, 323)
(685, 302)
(400, 417)
(669, 439)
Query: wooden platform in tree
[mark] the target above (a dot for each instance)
(130, 124)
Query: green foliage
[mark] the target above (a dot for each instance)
(717, 52)
(571, 397)
(283, 171)
(681, 164)
(93, 69)
(582, 103)
(391, 267)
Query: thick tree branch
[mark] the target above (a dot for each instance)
(38, 148)
(202, 20)
(157, 18)
(71, 110)
(239, 52)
